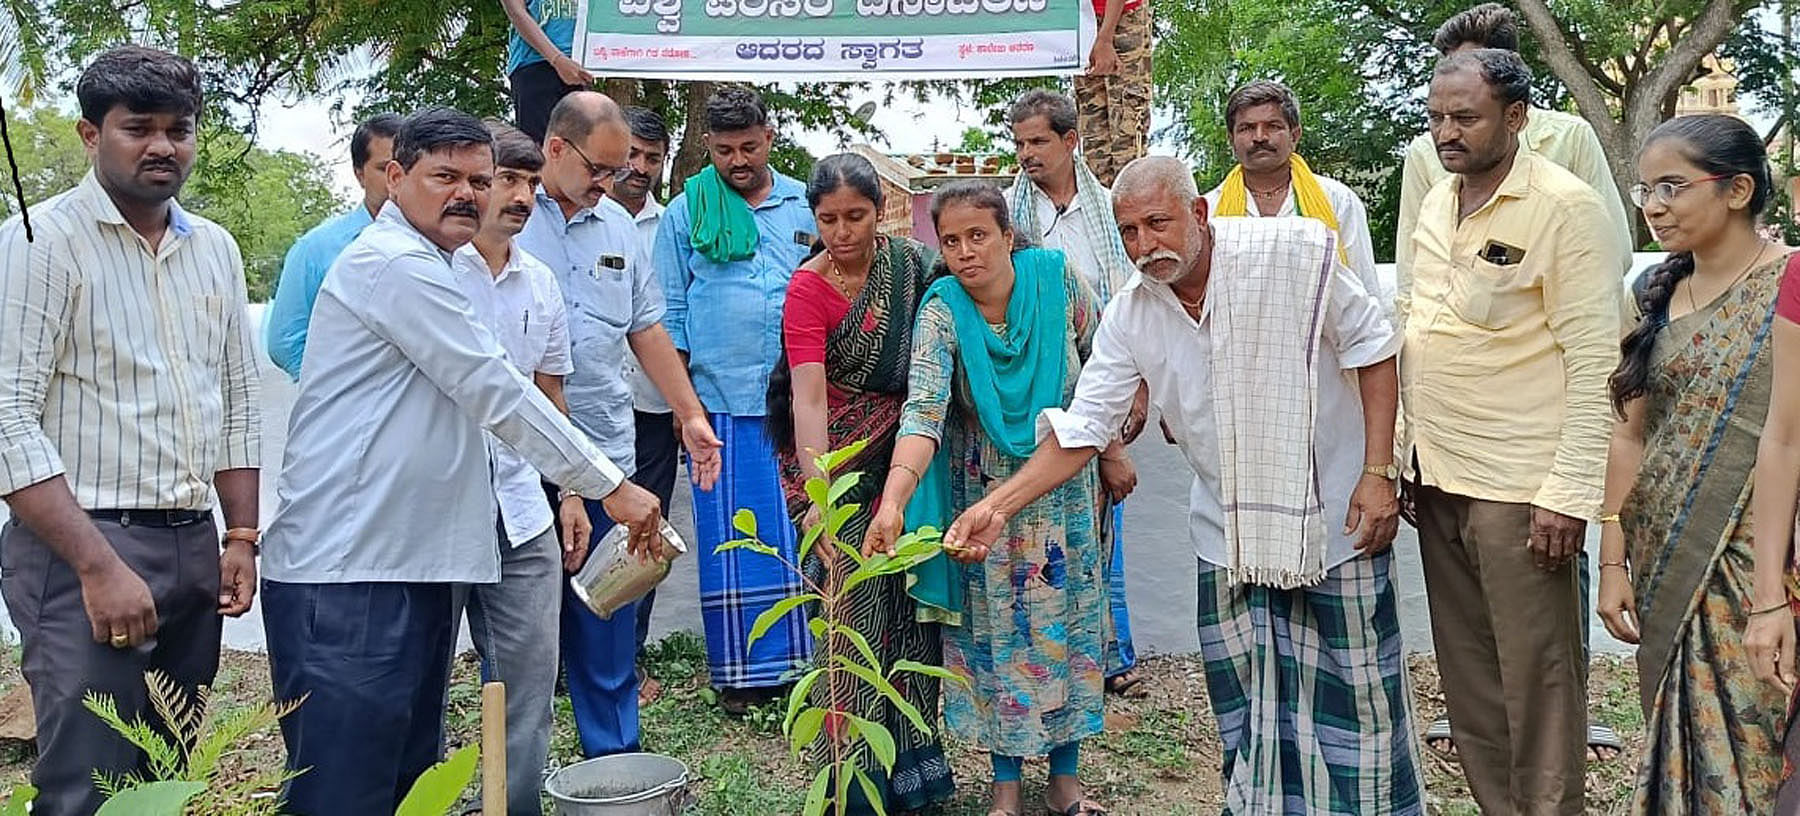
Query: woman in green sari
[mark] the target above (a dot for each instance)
(847, 339)
(1676, 553)
(999, 340)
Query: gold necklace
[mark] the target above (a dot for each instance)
(837, 279)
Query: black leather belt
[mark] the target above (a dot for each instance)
(151, 518)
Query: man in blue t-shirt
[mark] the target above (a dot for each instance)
(303, 271)
(538, 67)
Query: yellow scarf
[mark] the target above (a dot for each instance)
(1309, 198)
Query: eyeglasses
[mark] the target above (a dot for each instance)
(1665, 191)
(597, 171)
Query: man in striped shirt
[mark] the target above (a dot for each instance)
(128, 395)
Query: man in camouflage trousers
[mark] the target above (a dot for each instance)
(1113, 97)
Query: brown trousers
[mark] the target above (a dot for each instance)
(1114, 111)
(61, 661)
(1508, 640)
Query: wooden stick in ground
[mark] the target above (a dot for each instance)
(493, 749)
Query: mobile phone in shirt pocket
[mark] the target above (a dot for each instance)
(207, 330)
(1493, 296)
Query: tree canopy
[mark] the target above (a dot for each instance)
(265, 199)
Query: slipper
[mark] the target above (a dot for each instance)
(1601, 737)
(1121, 684)
(648, 688)
(1439, 732)
(1085, 807)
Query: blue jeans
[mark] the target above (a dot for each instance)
(372, 661)
(600, 665)
(513, 624)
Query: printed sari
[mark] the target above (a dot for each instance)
(1713, 731)
(867, 357)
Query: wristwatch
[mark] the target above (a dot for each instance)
(1386, 471)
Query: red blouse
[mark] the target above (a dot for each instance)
(1787, 304)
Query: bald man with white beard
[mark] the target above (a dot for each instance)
(1274, 370)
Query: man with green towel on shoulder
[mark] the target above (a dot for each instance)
(726, 249)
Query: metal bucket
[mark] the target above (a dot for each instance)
(621, 785)
(613, 578)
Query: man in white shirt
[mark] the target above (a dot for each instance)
(386, 501)
(1263, 120)
(1289, 609)
(514, 622)
(1059, 203)
(658, 449)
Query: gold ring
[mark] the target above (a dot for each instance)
(120, 639)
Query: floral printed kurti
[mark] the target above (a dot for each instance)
(1032, 644)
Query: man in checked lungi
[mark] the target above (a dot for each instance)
(1275, 371)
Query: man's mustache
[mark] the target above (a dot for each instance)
(159, 164)
(1159, 255)
(519, 210)
(465, 209)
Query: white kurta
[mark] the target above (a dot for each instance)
(1146, 336)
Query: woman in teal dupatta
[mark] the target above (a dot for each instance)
(1000, 339)
(1676, 547)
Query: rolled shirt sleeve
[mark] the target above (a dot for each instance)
(1356, 322)
(241, 435)
(1581, 301)
(557, 360)
(1103, 393)
(36, 301)
(419, 308)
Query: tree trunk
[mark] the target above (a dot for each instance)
(1641, 106)
(690, 157)
(622, 90)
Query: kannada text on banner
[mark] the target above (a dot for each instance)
(832, 39)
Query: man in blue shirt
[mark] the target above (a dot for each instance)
(735, 286)
(538, 67)
(615, 309)
(284, 325)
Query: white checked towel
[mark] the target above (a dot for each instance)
(1267, 296)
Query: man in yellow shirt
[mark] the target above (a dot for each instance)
(1563, 138)
(1513, 331)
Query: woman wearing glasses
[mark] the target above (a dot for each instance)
(1692, 390)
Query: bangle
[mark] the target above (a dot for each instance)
(1619, 564)
(1609, 518)
(1764, 611)
(917, 476)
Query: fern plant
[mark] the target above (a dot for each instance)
(193, 750)
(844, 654)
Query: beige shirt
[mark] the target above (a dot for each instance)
(125, 369)
(1503, 373)
(1563, 138)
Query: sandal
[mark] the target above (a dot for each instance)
(1122, 683)
(1439, 740)
(1601, 737)
(1084, 807)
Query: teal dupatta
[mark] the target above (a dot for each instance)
(1012, 376)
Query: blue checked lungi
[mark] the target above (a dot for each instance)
(1310, 690)
(738, 585)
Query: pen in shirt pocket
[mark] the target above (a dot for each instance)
(525, 323)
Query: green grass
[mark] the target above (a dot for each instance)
(1156, 741)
